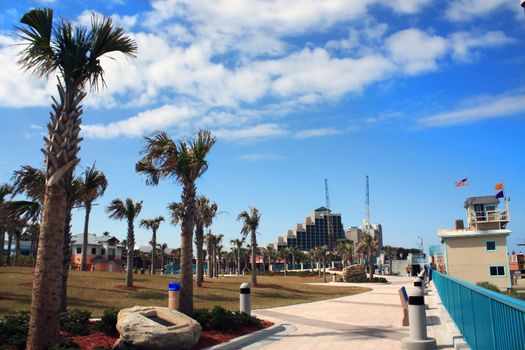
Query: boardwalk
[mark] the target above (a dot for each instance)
(369, 320)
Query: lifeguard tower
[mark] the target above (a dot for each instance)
(478, 252)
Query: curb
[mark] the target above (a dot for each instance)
(248, 338)
(455, 335)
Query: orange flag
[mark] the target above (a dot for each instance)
(499, 187)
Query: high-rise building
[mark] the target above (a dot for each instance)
(314, 231)
(355, 234)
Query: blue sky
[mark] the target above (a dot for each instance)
(416, 94)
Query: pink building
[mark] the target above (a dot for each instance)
(104, 253)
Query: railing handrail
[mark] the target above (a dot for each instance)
(512, 302)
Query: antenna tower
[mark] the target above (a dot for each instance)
(367, 202)
(330, 234)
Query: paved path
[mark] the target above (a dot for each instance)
(369, 320)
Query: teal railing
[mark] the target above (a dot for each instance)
(486, 319)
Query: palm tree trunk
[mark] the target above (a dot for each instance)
(130, 248)
(67, 258)
(186, 290)
(199, 241)
(17, 247)
(2, 242)
(210, 265)
(238, 261)
(85, 238)
(324, 270)
(9, 243)
(154, 251)
(254, 247)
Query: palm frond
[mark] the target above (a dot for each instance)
(177, 212)
(31, 181)
(116, 209)
(37, 56)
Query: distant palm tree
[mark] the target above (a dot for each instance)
(250, 225)
(153, 225)
(75, 52)
(209, 251)
(92, 185)
(206, 211)
(270, 252)
(322, 251)
(238, 246)
(345, 248)
(294, 251)
(185, 162)
(162, 251)
(128, 210)
(370, 246)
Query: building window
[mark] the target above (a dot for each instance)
(497, 271)
(490, 246)
(103, 251)
(93, 251)
(79, 250)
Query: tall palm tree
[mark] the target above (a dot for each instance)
(370, 246)
(162, 251)
(185, 161)
(74, 52)
(92, 185)
(153, 225)
(237, 243)
(322, 251)
(128, 210)
(209, 248)
(250, 225)
(205, 212)
(217, 250)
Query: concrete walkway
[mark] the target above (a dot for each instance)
(370, 320)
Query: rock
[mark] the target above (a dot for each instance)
(156, 328)
(354, 273)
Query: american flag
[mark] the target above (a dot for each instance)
(463, 182)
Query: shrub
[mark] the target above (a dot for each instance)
(221, 319)
(13, 329)
(74, 321)
(108, 322)
(489, 286)
(369, 280)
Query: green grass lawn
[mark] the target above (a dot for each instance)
(96, 291)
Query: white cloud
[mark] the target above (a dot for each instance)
(303, 134)
(252, 132)
(126, 22)
(142, 123)
(415, 50)
(463, 42)
(465, 10)
(486, 107)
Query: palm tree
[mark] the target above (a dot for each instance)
(345, 248)
(209, 248)
(162, 251)
(184, 161)
(128, 211)
(250, 224)
(270, 252)
(153, 225)
(217, 250)
(91, 186)
(370, 246)
(293, 252)
(238, 246)
(75, 52)
(322, 251)
(205, 212)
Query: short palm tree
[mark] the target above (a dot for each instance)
(74, 52)
(370, 246)
(250, 225)
(162, 251)
(185, 161)
(206, 211)
(237, 243)
(153, 225)
(92, 185)
(322, 251)
(345, 248)
(128, 210)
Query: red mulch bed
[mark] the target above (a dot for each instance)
(134, 288)
(207, 339)
(211, 338)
